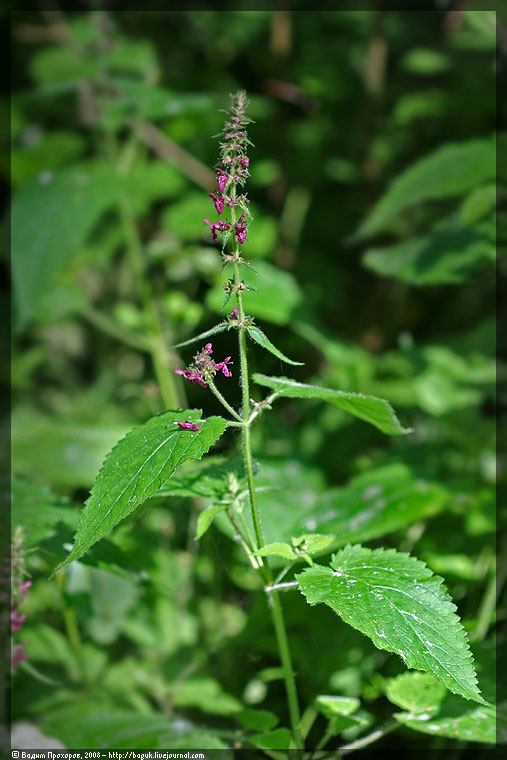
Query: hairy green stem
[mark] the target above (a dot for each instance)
(274, 600)
(224, 402)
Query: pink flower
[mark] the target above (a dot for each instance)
(222, 179)
(241, 229)
(221, 226)
(234, 313)
(192, 378)
(24, 587)
(16, 621)
(223, 366)
(244, 161)
(187, 426)
(218, 201)
(18, 655)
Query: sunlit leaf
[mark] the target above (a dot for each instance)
(376, 411)
(396, 601)
(137, 467)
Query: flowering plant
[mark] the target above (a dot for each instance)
(387, 595)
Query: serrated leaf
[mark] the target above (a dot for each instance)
(376, 411)
(452, 169)
(258, 336)
(137, 467)
(277, 549)
(432, 710)
(397, 602)
(213, 331)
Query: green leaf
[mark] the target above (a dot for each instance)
(206, 517)
(373, 504)
(338, 710)
(425, 61)
(68, 452)
(258, 336)
(38, 511)
(451, 170)
(137, 467)
(374, 410)
(146, 101)
(401, 606)
(431, 709)
(84, 723)
(277, 549)
(313, 543)
(416, 692)
(52, 150)
(276, 299)
(331, 705)
(449, 254)
(206, 694)
(278, 739)
(479, 203)
(50, 218)
(376, 504)
(213, 331)
(257, 720)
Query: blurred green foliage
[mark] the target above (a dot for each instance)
(373, 241)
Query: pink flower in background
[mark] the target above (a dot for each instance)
(18, 655)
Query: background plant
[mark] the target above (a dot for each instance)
(129, 230)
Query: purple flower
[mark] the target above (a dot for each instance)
(222, 179)
(223, 366)
(187, 426)
(191, 377)
(221, 226)
(16, 620)
(241, 229)
(24, 587)
(218, 201)
(234, 313)
(244, 161)
(18, 655)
